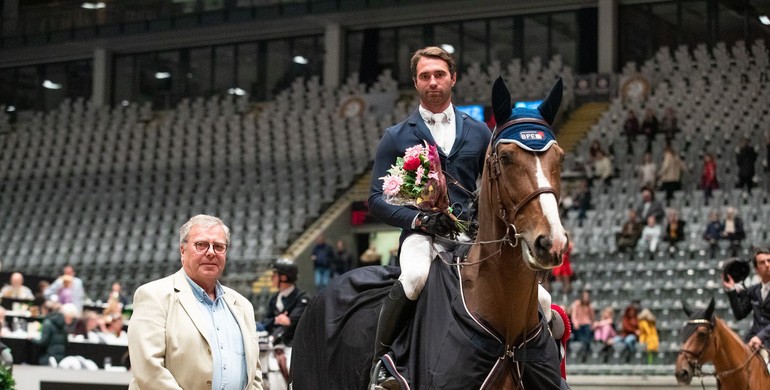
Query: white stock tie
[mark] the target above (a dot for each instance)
(279, 303)
(442, 132)
(765, 290)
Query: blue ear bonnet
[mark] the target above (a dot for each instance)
(526, 128)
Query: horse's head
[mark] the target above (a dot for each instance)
(524, 166)
(696, 334)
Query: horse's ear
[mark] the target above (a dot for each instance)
(550, 105)
(686, 308)
(709, 310)
(501, 101)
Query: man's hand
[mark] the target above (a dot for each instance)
(755, 343)
(283, 319)
(728, 283)
(436, 224)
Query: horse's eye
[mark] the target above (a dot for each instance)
(506, 159)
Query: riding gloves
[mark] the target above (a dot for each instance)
(437, 224)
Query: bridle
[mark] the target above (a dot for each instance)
(694, 359)
(506, 208)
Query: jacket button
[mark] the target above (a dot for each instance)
(208, 382)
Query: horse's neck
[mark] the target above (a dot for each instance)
(501, 290)
(730, 353)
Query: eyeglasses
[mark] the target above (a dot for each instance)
(203, 246)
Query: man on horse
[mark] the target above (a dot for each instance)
(754, 298)
(461, 142)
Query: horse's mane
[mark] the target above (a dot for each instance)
(734, 338)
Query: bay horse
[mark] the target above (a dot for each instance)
(477, 323)
(708, 339)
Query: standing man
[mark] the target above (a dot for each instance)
(756, 298)
(323, 260)
(746, 158)
(187, 330)
(461, 142)
(287, 305)
(78, 293)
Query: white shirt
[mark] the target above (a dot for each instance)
(442, 127)
(764, 290)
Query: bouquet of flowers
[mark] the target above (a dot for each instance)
(417, 180)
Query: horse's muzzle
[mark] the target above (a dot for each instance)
(545, 254)
(683, 376)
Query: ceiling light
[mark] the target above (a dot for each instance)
(124, 103)
(51, 85)
(98, 5)
(236, 91)
(162, 75)
(448, 48)
(300, 60)
(10, 108)
(765, 20)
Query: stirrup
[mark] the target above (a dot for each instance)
(380, 379)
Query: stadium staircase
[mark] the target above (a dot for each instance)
(578, 124)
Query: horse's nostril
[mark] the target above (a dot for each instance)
(544, 243)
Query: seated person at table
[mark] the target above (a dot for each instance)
(53, 336)
(4, 328)
(114, 334)
(87, 328)
(17, 289)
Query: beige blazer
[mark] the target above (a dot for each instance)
(167, 341)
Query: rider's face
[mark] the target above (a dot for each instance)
(763, 267)
(434, 83)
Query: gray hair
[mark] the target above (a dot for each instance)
(69, 309)
(204, 221)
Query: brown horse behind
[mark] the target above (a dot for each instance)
(708, 339)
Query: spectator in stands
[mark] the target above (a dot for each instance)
(370, 257)
(754, 298)
(594, 149)
(629, 233)
(674, 232)
(669, 125)
(746, 158)
(581, 200)
(53, 335)
(323, 259)
(39, 306)
(78, 293)
(649, 206)
(114, 333)
(649, 127)
(647, 172)
(5, 329)
(436, 119)
(630, 130)
(116, 294)
(713, 233)
(564, 272)
(732, 230)
(603, 169)
(650, 238)
(286, 306)
(708, 179)
(17, 289)
(343, 260)
(87, 328)
(670, 173)
(648, 334)
(174, 319)
(581, 314)
(65, 293)
(604, 329)
(628, 336)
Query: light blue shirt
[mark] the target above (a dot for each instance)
(226, 340)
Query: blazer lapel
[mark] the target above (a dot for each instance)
(420, 129)
(462, 129)
(190, 304)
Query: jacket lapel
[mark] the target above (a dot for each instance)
(462, 128)
(190, 304)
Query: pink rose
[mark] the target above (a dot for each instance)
(412, 163)
(420, 174)
(391, 185)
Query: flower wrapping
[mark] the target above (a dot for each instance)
(418, 180)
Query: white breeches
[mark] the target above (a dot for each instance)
(417, 252)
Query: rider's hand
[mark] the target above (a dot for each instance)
(282, 319)
(755, 343)
(437, 224)
(728, 282)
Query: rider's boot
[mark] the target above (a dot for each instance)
(394, 314)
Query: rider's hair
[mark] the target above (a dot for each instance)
(432, 52)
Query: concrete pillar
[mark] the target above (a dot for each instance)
(334, 43)
(102, 77)
(10, 21)
(608, 35)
